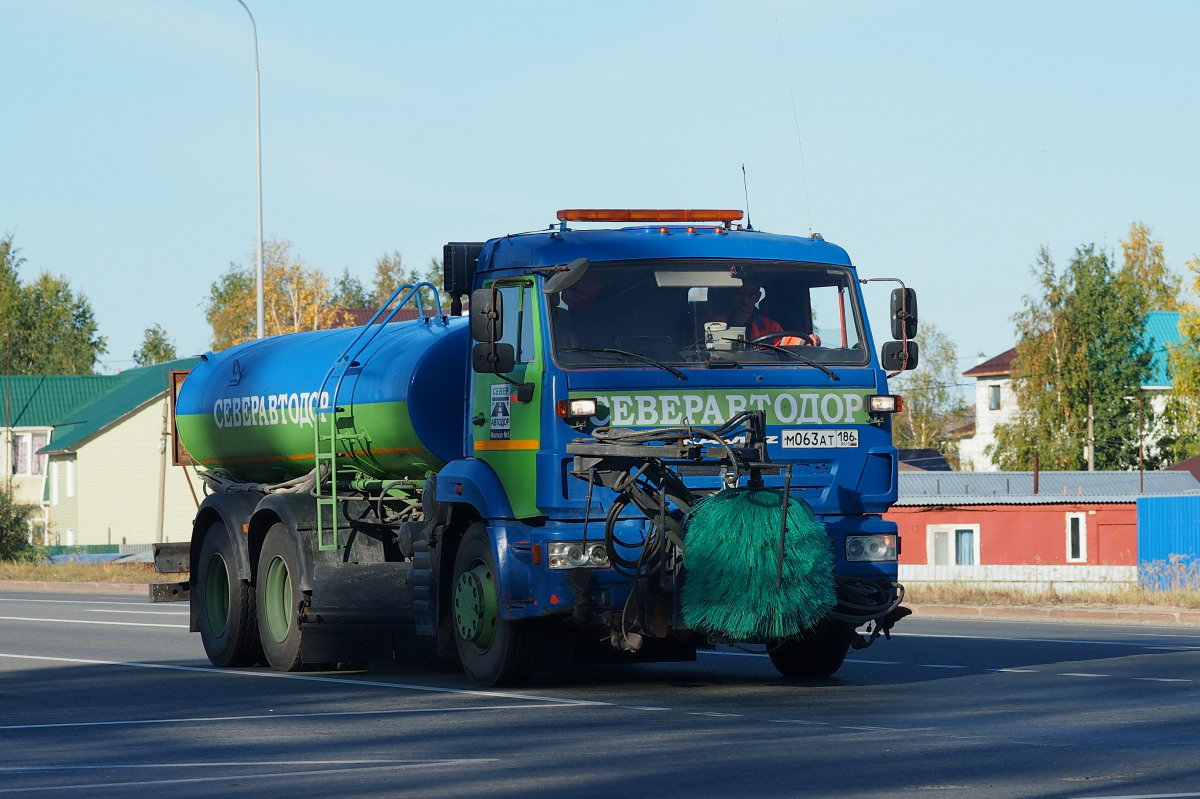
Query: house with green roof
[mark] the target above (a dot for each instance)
(109, 477)
(30, 405)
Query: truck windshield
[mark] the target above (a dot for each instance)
(710, 312)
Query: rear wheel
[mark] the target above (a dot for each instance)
(227, 618)
(279, 572)
(493, 651)
(820, 653)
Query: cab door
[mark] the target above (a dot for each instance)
(506, 418)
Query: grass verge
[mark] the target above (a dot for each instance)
(85, 572)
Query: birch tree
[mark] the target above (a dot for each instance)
(1080, 352)
(296, 297)
(932, 400)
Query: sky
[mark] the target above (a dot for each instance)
(940, 142)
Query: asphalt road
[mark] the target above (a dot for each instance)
(111, 696)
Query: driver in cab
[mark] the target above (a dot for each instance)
(746, 313)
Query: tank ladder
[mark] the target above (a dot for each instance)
(339, 442)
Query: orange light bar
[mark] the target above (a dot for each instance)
(647, 215)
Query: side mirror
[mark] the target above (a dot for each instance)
(904, 313)
(488, 358)
(487, 322)
(892, 359)
(567, 277)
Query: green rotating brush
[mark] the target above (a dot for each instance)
(737, 587)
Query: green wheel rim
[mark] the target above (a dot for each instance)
(476, 606)
(278, 600)
(216, 595)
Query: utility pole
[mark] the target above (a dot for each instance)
(1091, 433)
(1141, 450)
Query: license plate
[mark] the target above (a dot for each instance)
(819, 439)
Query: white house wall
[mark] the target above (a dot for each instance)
(116, 487)
(972, 451)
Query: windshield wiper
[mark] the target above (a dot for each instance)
(808, 361)
(639, 356)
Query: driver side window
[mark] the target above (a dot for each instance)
(518, 321)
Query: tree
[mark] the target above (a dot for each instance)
(390, 275)
(1080, 352)
(932, 402)
(349, 292)
(1183, 360)
(1145, 271)
(296, 297)
(157, 347)
(49, 328)
(14, 525)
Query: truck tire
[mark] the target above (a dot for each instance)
(279, 570)
(820, 653)
(227, 617)
(493, 651)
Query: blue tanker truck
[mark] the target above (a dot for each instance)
(630, 443)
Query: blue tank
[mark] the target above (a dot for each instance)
(251, 409)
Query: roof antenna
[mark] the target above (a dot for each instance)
(746, 193)
(796, 119)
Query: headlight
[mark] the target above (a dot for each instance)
(870, 547)
(884, 403)
(576, 410)
(577, 555)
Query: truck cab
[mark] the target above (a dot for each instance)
(683, 321)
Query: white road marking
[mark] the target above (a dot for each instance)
(200, 764)
(1160, 679)
(1172, 647)
(272, 715)
(143, 612)
(1081, 674)
(940, 666)
(1150, 796)
(96, 621)
(226, 777)
(280, 675)
(1016, 671)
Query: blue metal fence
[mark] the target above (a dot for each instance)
(1169, 542)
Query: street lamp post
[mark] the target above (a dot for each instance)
(258, 176)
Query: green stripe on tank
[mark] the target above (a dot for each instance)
(269, 445)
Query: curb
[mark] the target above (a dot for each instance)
(40, 586)
(1163, 616)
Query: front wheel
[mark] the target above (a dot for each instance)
(226, 604)
(820, 653)
(279, 599)
(493, 651)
